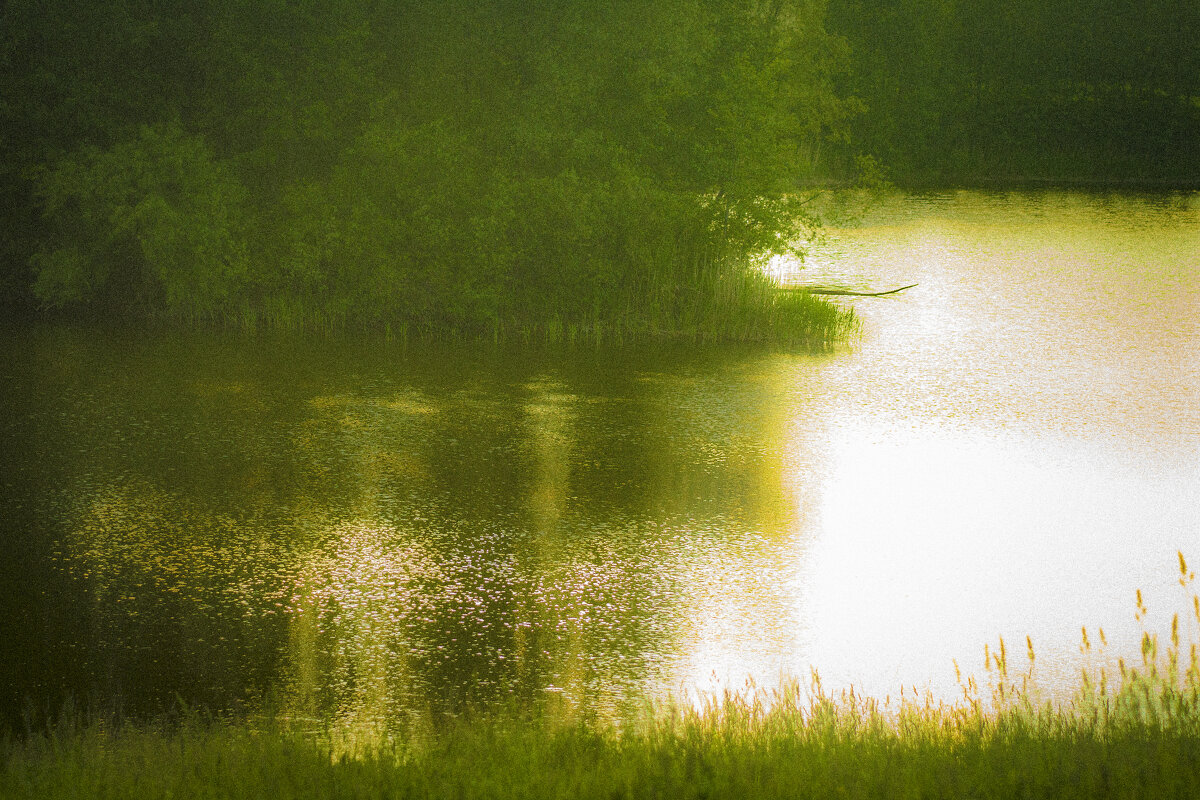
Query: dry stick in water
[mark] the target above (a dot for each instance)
(818, 290)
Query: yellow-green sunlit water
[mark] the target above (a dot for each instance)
(361, 533)
(1014, 447)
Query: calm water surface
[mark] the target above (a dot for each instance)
(361, 532)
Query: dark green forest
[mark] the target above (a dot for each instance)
(478, 167)
(1010, 92)
(545, 168)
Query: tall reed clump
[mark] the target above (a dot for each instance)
(1136, 734)
(735, 304)
(728, 306)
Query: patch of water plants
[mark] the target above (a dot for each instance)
(1132, 733)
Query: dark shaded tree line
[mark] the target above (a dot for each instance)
(481, 166)
(452, 164)
(969, 91)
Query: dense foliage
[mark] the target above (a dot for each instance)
(479, 166)
(518, 165)
(1011, 90)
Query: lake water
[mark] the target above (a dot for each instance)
(361, 532)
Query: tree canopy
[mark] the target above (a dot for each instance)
(1057, 90)
(434, 164)
(500, 164)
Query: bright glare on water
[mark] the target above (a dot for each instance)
(1013, 447)
(362, 532)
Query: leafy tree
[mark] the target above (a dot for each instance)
(150, 221)
(470, 165)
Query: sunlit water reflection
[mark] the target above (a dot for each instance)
(367, 532)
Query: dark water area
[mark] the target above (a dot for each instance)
(322, 526)
(356, 532)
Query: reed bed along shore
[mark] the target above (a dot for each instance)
(1135, 733)
(731, 306)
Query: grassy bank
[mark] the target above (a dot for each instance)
(1134, 733)
(1140, 741)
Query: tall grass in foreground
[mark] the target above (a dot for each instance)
(1136, 737)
